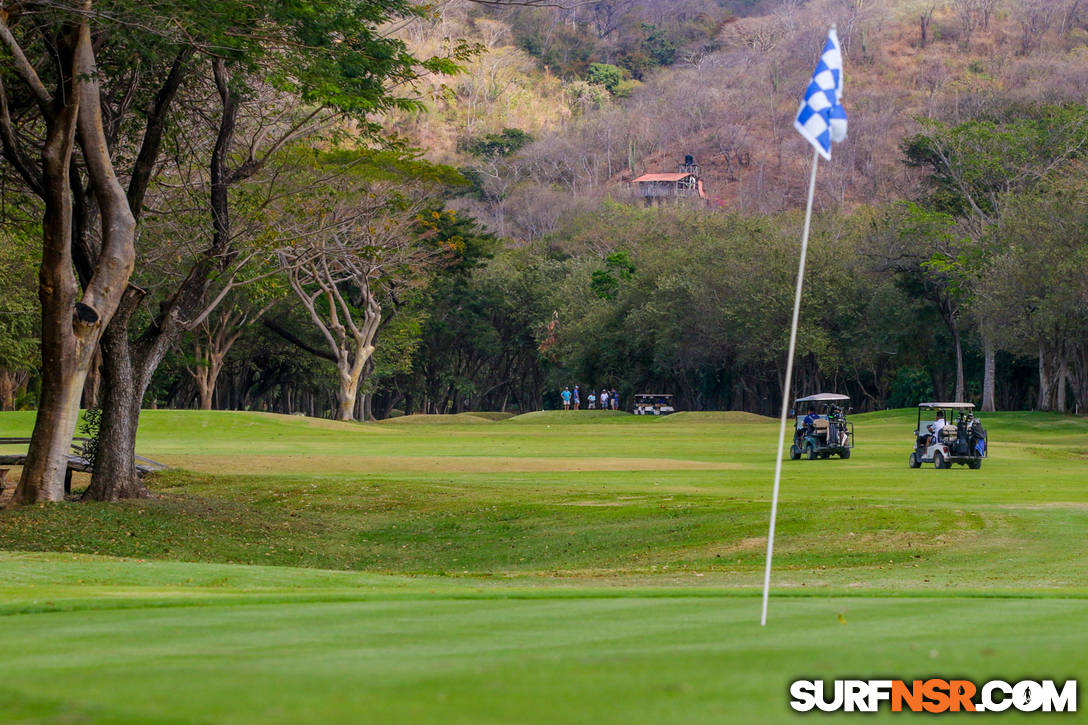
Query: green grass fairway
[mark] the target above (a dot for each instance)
(568, 568)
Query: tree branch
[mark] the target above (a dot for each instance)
(156, 124)
(26, 70)
(13, 152)
(291, 338)
(118, 254)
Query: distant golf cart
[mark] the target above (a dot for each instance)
(829, 434)
(960, 441)
(655, 404)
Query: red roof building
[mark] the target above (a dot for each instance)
(682, 184)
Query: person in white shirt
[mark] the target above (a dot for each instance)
(935, 428)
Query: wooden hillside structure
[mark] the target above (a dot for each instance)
(684, 183)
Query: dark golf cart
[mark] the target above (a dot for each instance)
(962, 440)
(828, 434)
(653, 404)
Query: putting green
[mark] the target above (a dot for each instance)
(521, 571)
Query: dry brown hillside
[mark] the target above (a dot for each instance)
(731, 105)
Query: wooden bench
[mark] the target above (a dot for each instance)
(76, 461)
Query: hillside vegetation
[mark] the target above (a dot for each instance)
(725, 91)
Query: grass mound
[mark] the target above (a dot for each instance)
(489, 414)
(551, 417)
(431, 418)
(719, 417)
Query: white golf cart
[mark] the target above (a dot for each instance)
(942, 441)
(828, 433)
(653, 404)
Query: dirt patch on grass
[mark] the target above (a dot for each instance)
(295, 464)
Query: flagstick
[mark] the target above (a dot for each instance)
(786, 389)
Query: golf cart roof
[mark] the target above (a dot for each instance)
(823, 397)
(946, 405)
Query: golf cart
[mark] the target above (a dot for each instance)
(655, 404)
(828, 434)
(960, 441)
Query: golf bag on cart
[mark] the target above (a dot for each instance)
(961, 446)
(977, 438)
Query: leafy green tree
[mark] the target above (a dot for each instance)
(604, 74)
(605, 282)
(975, 167)
(1036, 288)
(505, 143)
(657, 46)
(265, 76)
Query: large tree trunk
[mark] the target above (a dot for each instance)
(958, 349)
(115, 475)
(1060, 403)
(1046, 378)
(71, 329)
(205, 378)
(67, 331)
(1078, 366)
(989, 373)
(7, 390)
(129, 365)
(206, 373)
(348, 391)
(126, 371)
(94, 381)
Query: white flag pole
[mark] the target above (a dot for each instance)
(786, 388)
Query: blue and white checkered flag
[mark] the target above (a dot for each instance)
(821, 118)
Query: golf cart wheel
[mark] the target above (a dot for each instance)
(795, 452)
(810, 451)
(975, 464)
(913, 461)
(939, 461)
(845, 453)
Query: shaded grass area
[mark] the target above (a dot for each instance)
(422, 529)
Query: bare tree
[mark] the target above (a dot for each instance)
(1035, 19)
(609, 14)
(925, 19)
(345, 268)
(212, 341)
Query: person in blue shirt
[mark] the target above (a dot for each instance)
(566, 398)
(577, 398)
(810, 420)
